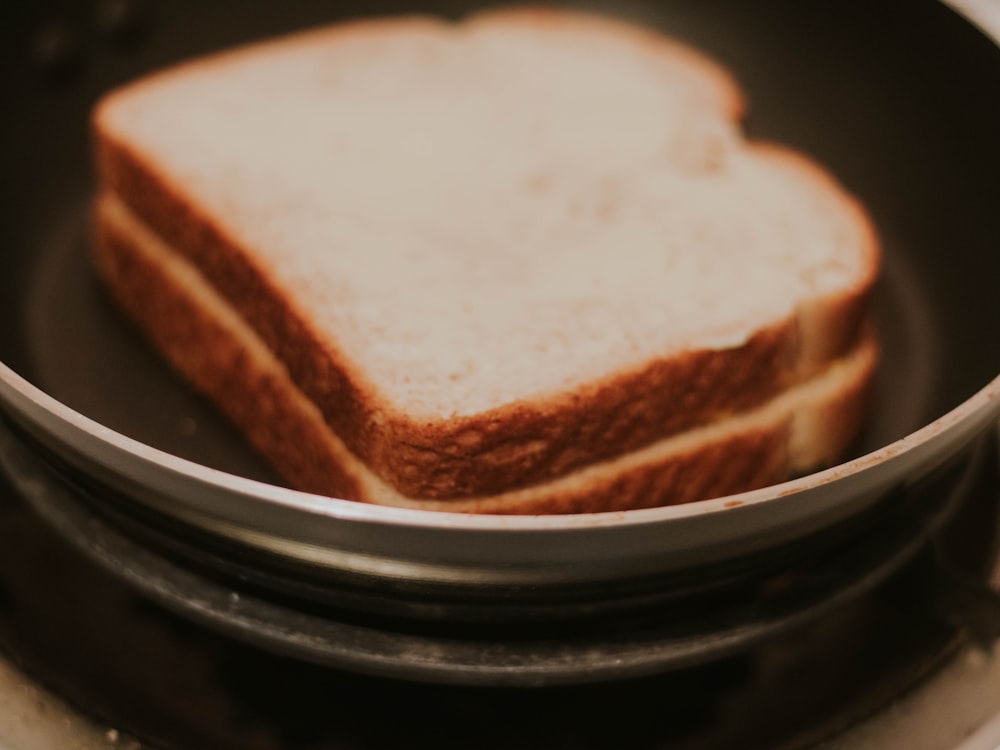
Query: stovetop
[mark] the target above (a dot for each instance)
(893, 668)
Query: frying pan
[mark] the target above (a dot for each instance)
(900, 99)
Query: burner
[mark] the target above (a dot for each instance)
(555, 638)
(171, 682)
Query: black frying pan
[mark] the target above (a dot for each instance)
(900, 99)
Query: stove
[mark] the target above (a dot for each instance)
(90, 663)
(86, 661)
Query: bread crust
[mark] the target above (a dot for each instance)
(184, 317)
(253, 397)
(532, 440)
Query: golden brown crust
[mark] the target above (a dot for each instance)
(255, 392)
(519, 444)
(742, 462)
(199, 347)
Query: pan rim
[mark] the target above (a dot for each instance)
(984, 403)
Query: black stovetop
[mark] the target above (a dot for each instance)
(143, 672)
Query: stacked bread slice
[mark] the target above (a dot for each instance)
(522, 263)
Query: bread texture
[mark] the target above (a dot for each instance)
(489, 258)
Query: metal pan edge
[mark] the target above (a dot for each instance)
(424, 545)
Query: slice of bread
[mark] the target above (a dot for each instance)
(499, 253)
(196, 329)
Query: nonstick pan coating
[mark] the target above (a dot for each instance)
(899, 99)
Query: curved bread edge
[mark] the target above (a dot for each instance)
(196, 330)
(715, 81)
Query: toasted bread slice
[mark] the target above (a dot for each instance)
(197, 330)
(497, 252)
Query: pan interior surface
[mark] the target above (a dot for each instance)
(913, 134)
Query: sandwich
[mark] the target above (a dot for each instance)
(526, 262)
